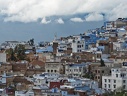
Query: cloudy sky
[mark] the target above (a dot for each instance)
(41, 19)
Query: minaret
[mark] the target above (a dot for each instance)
(55, 37)
(55, 45)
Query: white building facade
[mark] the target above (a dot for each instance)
(3, 57)
(78, 46)
(75, 70)
(12, 44)
(24, 93)
(117, 80)
(110, 25)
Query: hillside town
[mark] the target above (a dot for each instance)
(93, 63)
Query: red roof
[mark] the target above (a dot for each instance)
(38, 62)
(55, 84)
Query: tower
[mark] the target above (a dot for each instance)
(55, 44)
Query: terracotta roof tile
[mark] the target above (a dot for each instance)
(55, 84)
(21, 79)
(37, 62)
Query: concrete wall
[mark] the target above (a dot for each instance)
(3, 57)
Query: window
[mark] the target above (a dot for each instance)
(109, 80)
(55, 71)
(109, 85)
(124, 81)
(114, 86)
(51, 70)
(80, 70)
(124, 86)
(105, 85)
(102, 71)
(105, 80)
(114, 81)
(116, 75)
(76, 70)
(122, 75)
(48, 71)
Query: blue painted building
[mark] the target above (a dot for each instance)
(46, 49)
(90, 38)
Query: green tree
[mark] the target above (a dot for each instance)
(89, 75)
(11, 54)
(20, 52)
(31, 42)
(102, 63)
(13, 57)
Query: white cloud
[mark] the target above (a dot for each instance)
(44, 21)
(76, 19)
(94, 17)
(32, 10)
(60, 21)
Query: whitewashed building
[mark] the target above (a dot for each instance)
(3, 92)
(12, 44)
(54, 67)
(117, 80)
(24, 93)
(78, 45)
(110, 25)
(3, 57)
(75, 70)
